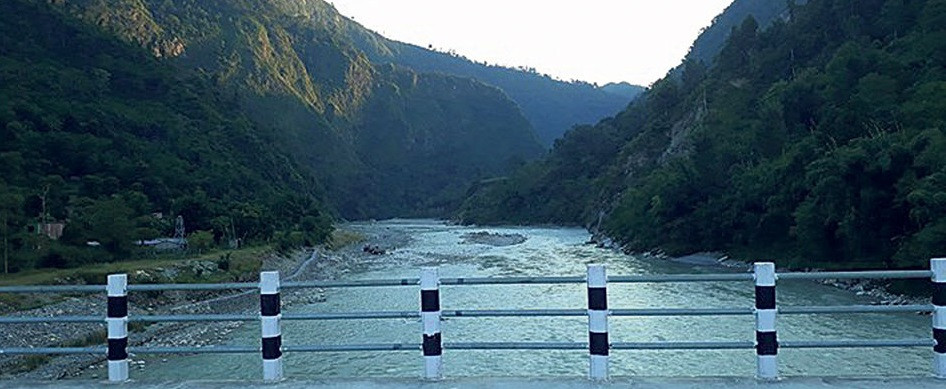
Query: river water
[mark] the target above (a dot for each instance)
(556, 251)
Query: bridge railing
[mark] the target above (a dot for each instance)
(765, 312)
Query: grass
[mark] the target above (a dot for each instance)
(30, 363)
(232, 265)
(344, 238)
(237, 263)
(91, 339)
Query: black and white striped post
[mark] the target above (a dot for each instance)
(766, 339)
(938, 266)
(269, 321)
(116, 319)
(430, 316)
(598, 344)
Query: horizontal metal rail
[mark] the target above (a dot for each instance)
(512, 280)
(350, 283)
(663, 278)
(867, 275)
(194, 350)
(164, 287)
(652, 278)
(483, 313)
(515, 346)
(53, 319)
(53, 289)
(514, 312)
(192, 318)
(869, 343)
(353, 347)
(352, 315)
(722, 345)
(683, 312)
(682, 345)
(51, 350)
(855, 309)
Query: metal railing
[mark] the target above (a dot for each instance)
(765, 311)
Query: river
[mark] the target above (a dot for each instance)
(556, 251)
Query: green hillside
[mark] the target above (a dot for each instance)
(816, 142)
(255, 120)
(295, 66)
(100, 134)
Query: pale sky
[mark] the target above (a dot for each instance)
(591, 40)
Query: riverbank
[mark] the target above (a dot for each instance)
(877, 290)
(321, 263)
(885, 292)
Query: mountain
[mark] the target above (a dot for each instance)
(817, 142)
(102, 136)
(551, 106)
(712, 39)
(295, 65)
(255, 120)
(624, 89)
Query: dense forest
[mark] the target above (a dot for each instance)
(254, 120)
(102, 135)
(295, 66)
(818, 141)
(712, 39)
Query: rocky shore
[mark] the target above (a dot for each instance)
(300, 266)
(492, 239)
(872, 288)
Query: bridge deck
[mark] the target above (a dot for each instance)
(509, 382)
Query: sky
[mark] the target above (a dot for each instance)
(597, 41)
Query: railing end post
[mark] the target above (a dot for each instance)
(938, 268)
(116, 320)
(271, 333)
(598, 344)
(765, 317)
(430, 317)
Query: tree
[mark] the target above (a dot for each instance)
(200, 240)
(10, 205)
(109, 222)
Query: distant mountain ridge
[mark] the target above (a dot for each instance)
(295, 66)
(551, 106)
(623, 89)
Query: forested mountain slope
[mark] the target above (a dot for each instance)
(818, 141)
(552, 106)
(295, 66)
(713, 38)
(100, 134)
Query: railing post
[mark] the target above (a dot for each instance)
(598, 345)
(430, 316)
(765, 311)
(269, 321)
(116, 319)
(938, 266)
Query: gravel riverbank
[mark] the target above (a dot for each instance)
(300, 266)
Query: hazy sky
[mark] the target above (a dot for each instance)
(592, 40)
